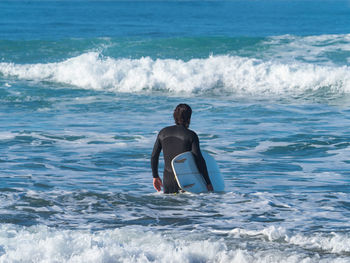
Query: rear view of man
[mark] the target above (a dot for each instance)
(174, 140)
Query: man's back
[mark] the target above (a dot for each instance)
(175, 140)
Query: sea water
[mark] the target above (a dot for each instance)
(85, 86)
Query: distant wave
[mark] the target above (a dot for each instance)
(215, 74)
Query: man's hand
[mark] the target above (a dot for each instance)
(210, 188)
(157, 183)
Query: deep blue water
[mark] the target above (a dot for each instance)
(28, 20)
(85, 86)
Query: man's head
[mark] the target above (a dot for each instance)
(182, 115)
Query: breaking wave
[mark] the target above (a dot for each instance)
(43, 244)
(213, 75)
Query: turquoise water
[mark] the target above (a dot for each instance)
(85, 86)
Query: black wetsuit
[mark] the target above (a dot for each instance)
(175, 140)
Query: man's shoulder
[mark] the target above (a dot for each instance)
(176, 129)
(193, 133)
(167, 129)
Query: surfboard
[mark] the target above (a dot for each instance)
(189, 178)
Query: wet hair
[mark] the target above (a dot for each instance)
(182, 115)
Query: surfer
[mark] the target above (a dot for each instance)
(174, 140)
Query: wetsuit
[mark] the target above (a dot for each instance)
(175, 140)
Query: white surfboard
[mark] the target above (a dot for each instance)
(188, 176)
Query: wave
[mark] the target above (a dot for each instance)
(43, 244)
(331, 243)
(320, 49)
(215, 74)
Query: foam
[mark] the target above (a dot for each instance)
(309, 48)
(43, 244)
(83, 139)
(332, 242)
(6, 135)
(215, 74)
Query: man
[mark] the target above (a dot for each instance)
(174, 140)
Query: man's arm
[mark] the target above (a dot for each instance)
(202, 166)
(157, 182)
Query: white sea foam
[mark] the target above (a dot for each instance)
(6, 135)
(215, 74)
(333, 242)
(309, 48)
(83, 139)
(43, 244)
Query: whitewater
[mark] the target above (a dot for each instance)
(219, 74)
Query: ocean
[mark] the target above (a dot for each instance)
(85, 86)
